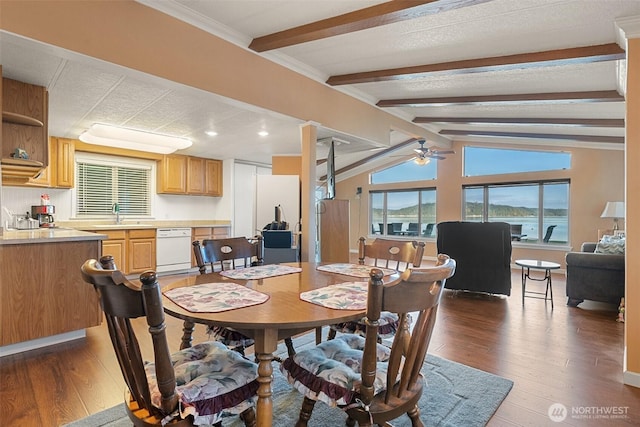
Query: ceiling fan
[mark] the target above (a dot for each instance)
(425, 154)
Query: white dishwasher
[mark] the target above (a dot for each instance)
(173, 249)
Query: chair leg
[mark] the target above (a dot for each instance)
(331, 335)
(290, 350)
(187, 333)
(414, 414)
(305, 412)
(248, 416)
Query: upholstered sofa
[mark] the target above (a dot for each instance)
(594, 276)
(482, 251)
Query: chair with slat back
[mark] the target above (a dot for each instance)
(236, 252)
(373, 383)
(386, 253)
(159, 393)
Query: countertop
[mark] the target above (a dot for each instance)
(47, 235)
(85, 230)
(141, 224)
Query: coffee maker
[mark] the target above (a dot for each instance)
(44, 215)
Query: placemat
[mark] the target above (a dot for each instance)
(215, 297)
(343, 296)
(260, 272)
(355, 270)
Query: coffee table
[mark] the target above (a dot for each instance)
(532, 264)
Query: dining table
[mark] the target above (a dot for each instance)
(278, 310)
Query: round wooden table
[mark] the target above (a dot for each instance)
(283, 315)
(529, 264)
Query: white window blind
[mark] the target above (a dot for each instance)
(102, 182)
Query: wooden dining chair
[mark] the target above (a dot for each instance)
(394, 254)
(230, 253)
(194, 386)
(238, 252)
(373, 383)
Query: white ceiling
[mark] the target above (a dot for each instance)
(84, 90)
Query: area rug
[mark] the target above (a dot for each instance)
(456, 395)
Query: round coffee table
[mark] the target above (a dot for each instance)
(529, 264)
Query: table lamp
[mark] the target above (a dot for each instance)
(613, 210)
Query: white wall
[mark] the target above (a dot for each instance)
(244, 200)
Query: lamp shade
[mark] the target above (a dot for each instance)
(130, 139)
(613, 210)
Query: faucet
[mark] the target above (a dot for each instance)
(116, 210)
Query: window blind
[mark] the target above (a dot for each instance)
(101, 184)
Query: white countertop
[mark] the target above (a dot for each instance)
(47, 235)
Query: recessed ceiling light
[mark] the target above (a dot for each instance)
(211, 132)
(263, 133)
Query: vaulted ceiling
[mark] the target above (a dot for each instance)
(537, 72)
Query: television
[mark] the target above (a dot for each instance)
(331, 173)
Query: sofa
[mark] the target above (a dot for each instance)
(594, 276)
(482, 251)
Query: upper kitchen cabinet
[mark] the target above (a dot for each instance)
(61, 170)
(190, 176)
(24, 129)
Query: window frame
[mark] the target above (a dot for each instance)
(385, 215)
(115, 162)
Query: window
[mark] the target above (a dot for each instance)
(539, 210)
(102, 181)
(480, 161)
(404, 172)
(403, 212)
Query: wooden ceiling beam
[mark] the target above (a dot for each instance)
(370, 17)
(593, 96)
(605, 123)
(575, 55)
(532, 135)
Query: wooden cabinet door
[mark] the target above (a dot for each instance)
(116, 248)
(172, 175)
(213, 177)
(141, 250)
(64, 163)
(46, 178)
(195, 175)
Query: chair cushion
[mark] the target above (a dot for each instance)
(212, 382)
(388, 326)
(228, 337)
(330, 372)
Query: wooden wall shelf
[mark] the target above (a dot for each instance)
(20, 119)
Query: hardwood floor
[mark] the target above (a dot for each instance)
(566, 355)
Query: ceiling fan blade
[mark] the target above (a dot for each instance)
(443, 152)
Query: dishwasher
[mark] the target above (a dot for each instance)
(173, 249)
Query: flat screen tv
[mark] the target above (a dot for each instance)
(331, 173)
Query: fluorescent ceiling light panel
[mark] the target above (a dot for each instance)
(112, 136)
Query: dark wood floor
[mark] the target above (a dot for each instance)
(566, 355)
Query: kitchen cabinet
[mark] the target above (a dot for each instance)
(133, 251)
(141, 250)
(60, 173)
(25, 127)
(172, 175)
(188, 175)
(195, 175)
(115, 245)
(334, 230)
(213, 177)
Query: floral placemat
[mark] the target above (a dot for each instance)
(343, 296)
(215, 297)
(260, 272)
(355, 270)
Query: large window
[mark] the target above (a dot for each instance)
(480, 161)
(537, 211)
(403, 212)
(102, 181)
